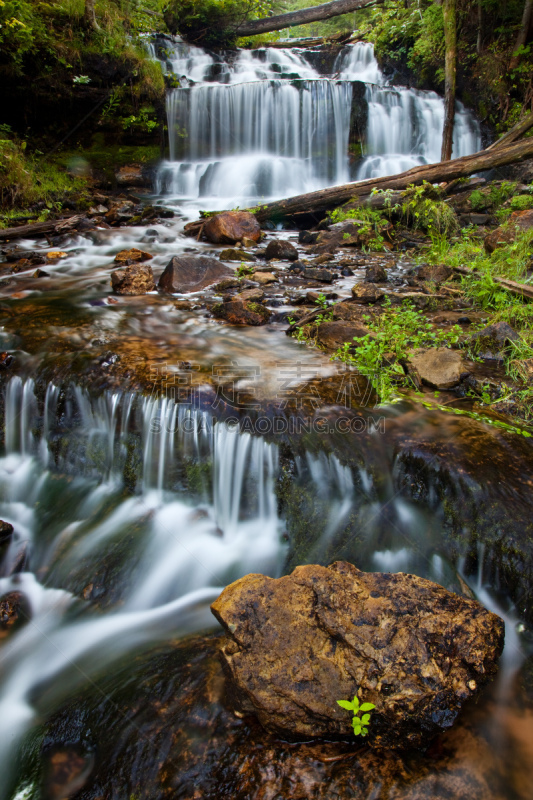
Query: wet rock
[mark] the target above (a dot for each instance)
(325, 258)
(250, 296)
(15, 610)
(334, 334)
(307, 237)
(133, 175)
(297, 266)
(192, 274)
(295, 645)
(492, 341)
(132, 256)
(417, 299)
(97, 211)
(436, 273)
(237, 312)
(317, 274)
(235, 255)
(6, 531)
(350, 311)
(55, 255)
(66, 772)
(375, 273)
(227, 283)
(281, 250)
(41, 273)
(247, 242)
(342, 234)
(230, 227)
(518, 221)
(367, 293)
(474, 219)
(133, 280)
(263, 278)
(438, 367)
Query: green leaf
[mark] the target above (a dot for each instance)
(355, 704)
(345, 704)
(365, 719)
(367, 707)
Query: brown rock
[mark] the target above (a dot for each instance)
(246, 242)
(297, 644)
(238, 313)
(230, 227)
(375, 273)
(14, 611)
(192, 274)
(132, 256)
(436, 273)
(228, 283)
(492, 341)
(250, 296)
(235, 255)
(133, 280)
(367, 293)
(6, 531)
(518, 221)
(334, 334)
(132, 175)
(281, 250)
(317, 274)
(264, 278)
(438, 367)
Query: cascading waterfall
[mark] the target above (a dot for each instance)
(264, 124)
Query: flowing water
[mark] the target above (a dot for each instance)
(131, 511)
(269, 124)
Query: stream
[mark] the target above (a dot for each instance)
(133, 509)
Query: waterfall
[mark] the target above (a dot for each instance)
(263, 124)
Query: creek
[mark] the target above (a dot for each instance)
(133, 509)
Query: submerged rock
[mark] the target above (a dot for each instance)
(231, 226)
(295, 645)
(192, 274)
(136, 279)
(438, 367)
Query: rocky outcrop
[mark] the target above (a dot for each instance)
(367, 293)
(136, 279)
(438, 367)
(231, 226)
(192, 274)
(281, 250)
(298, 644)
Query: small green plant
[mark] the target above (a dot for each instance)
(244, 270)
(423, 208)
(82, 80)
(359, 723)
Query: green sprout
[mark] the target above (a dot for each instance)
(359, 723)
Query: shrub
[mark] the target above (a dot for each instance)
(211, 23)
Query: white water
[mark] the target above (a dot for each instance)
(265, 124)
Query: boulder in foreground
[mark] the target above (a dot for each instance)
(297, 644)
(136, 279)
(230, 227)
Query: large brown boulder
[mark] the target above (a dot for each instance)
(281, 250)
(297, 644)
(239, 312)
(192, 274)
(133, 280)
(518, 221)
(230, 227)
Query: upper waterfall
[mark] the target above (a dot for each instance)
(257, 125)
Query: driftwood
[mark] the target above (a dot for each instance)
(305, 15)
(325, 199)
(40, 228)
(522, 290)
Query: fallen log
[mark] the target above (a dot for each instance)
(333, 196)
(303, 16)
(522, 290)
(40, 228)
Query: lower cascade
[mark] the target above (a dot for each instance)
(268, 124)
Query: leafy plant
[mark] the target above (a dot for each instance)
(244, 270)
(82, 80)
(359, 723)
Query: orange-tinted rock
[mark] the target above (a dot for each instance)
(230, 227)
(132, 256)
(237, 312)
(298, 644)
(133, 280)
(14, 611)
(367, 293)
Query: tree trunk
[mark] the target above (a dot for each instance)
(450, 69)
(334, 196)
(89, 15)
(303, 16)
(521, 39)
(40, 228)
